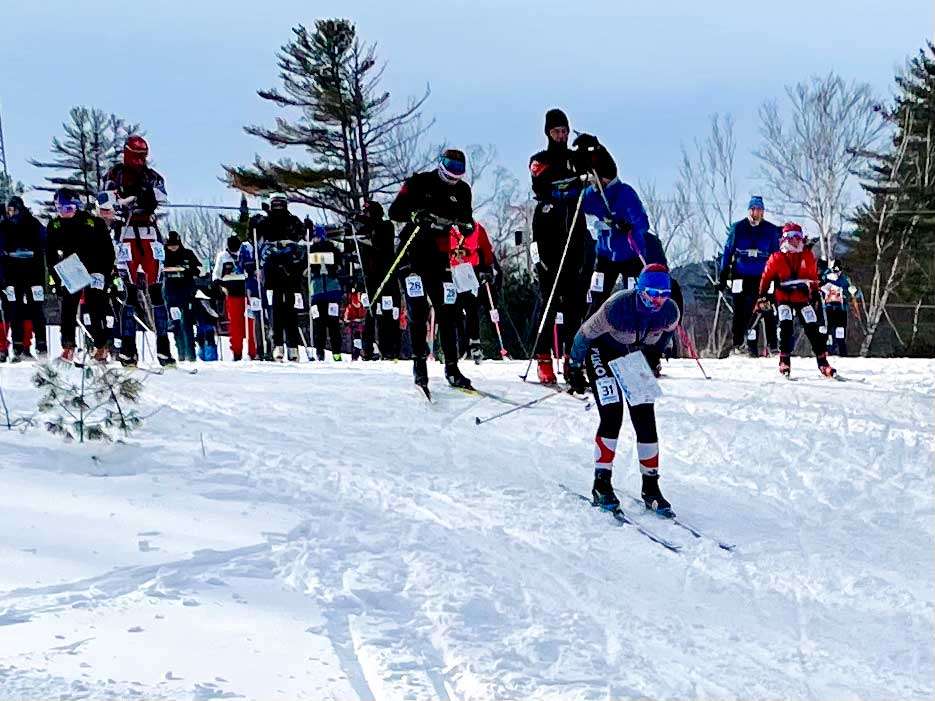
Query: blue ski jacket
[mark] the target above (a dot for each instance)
(748, 247)
(614, 241)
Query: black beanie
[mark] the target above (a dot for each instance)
(555, 118)
(233, 243)
(174, 239)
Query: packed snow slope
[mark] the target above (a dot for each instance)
(321, 532)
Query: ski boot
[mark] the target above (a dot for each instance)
(455, 378)
(101, 355)
(785, 367)
(4, 356)
(20, 354)
(42, 353)
(545, 370)
(653, 498)
(603, 491)
(163, 354)
(68, 354)
(824, 367)
(279, 354)
(292, 355)
(127, 360)
(336, 357)
(420, 372)
(475, 351)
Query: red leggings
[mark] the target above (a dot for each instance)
(236, 308)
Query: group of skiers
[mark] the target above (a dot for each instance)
(442, 265)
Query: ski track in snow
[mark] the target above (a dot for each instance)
(341, 538)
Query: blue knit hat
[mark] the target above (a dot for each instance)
(756, 202)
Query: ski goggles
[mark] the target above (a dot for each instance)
(654, 297)
(451, 168)
(68, 208)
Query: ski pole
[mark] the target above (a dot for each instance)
(495, 318)
(478, 420)
(308, 288)
(600, 189)
(259, 288)
(389, 273)
(558, 275)
(686, 339)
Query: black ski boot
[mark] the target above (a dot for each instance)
(163, 354)
(3, 356)
(420, 372)
(653, 498)
(603, 491)
(127, 360)
(20, 353)
(455, 378)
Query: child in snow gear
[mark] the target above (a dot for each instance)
(629, 321)
(22, 249)
(474, 249)
(181, 269)
(355, 314)
(79, 233)
(837, 297)
(556, 186)
(235, 273)
(750, 242)
(325, 261)
(794, 272)
(283, 261)
(622, 224)
(207, 301)
(429, 204)
(134, 192)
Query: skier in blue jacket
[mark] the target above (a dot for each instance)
(622, 223)
(630, 321)
(750, 242)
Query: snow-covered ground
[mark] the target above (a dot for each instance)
(322, 532)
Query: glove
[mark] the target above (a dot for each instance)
(763, 304)
(485, 277)
(584, 142)
(577, 382)
(721, 284)
(424, 220)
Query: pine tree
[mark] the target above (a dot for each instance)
(92, 143)
(896, 227)
(358, 148)
(8, 189)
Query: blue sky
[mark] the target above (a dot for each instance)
(643, 76)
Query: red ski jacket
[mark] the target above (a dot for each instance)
(474, 248)
(795, 275)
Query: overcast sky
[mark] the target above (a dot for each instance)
(643, 76)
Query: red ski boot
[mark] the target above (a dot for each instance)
(545, 369)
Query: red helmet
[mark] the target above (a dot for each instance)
(792, 239)
(135, 151)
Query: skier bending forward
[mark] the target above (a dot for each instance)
(628, 322)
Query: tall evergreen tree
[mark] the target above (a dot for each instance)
(93, 141)
(896, 226)
(358, 147)
(9, 188)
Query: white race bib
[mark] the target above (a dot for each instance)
(395, 313)
(808, 313)
(785, 312)
(823, 329)
(123, 253)
(256, 304)
(38, 294)
(323, 258)
(333, 309)
(495, 316)
(269, 298)
(607, 391)
(386, 302)
(73, 274)
(839, 332)
(597, 281)
(175, 313)
(358, 343)
(464, 278)
(635, 378)
(118, 343)
(315, 312)
(736, 285)
(109, 321)
(451, 293)
(86, 319)
(365, 300)
(118, 283)
(751, 334)
(631, 283)
(10, 293)
(159, 251)
(534, 252)
(297, 301)
(414, 286)
(559, 318)
(97, 281)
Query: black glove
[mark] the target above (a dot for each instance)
(721, 284)
(583, 142)
(485, 277)
(424, 220)
(577, 382)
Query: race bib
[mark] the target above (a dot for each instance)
(808, 313)
(823, 329)
(86, 319)
(736, 285)
(839, 332)
(451, 293)
(123, 253)
(386, 302)
(636, 379)
(534, 253)
(832, 276)
(365, 300)
(785, 312)
(751, 334)
(10, 293)
(297, 302)
(495, 316)
(631, 283)
(109, 321)
(559, 318)
(256, 304)
(358, 344)
(772, 287)
(607, 391)
(269, 298)
(325, 258)
(597, 281)
(118, 284)
(315, 313)
(159, 251)
(97, 281)
(73, 274)
(395, 313)
(38, 294)
(414, 286)
(464, 278)
(333, 309)
(175, 313)
(118, 343)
